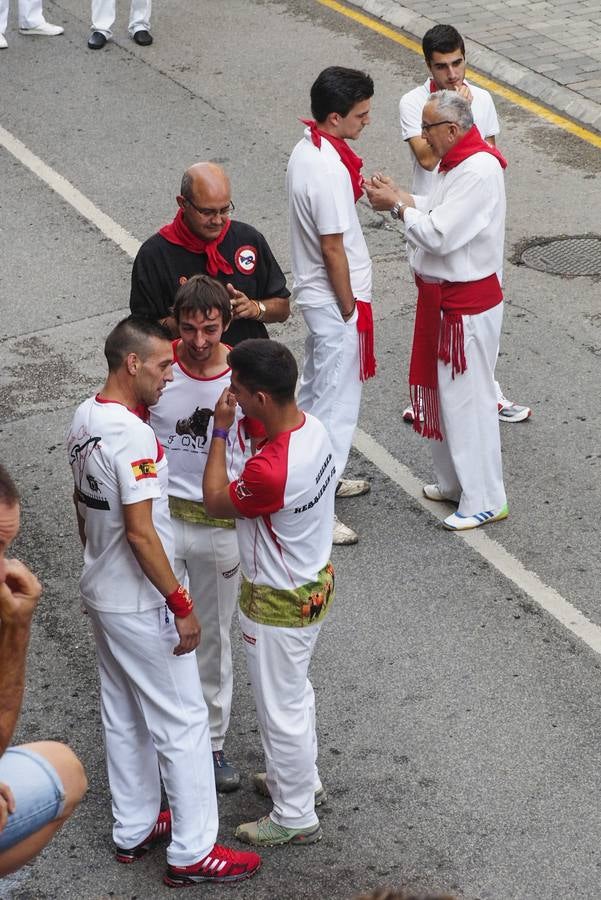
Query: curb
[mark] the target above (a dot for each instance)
(538, 87)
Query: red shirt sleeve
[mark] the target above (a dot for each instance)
(259, 491)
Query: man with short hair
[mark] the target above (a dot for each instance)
(283, 502)
(331, 264)
(153, 711)
(455, 237)
(206, 548)
(41, 783)
(203, 240)
(444, 53)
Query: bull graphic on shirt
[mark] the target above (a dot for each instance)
(195, 425)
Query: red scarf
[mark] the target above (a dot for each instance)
(348, 157)
(436, 337)
(471, 142)
(177, 232)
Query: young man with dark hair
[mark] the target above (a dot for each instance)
(153, 711)
(206, 548)
(444, 52)
(331, 264)
(283, 503)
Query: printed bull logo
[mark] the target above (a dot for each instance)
(195, 425)
(245, 259)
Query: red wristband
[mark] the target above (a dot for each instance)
(179, 602)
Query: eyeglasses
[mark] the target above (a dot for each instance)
(426, 127)
(211, 213)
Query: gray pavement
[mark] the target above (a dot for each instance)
(548, 49)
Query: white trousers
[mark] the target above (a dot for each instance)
(30, 14)
(209, 558)
(467, 461)
(155, 718)
(104, 12)
(278, 662)
(330, 385)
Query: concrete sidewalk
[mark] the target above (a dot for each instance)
(548, 49)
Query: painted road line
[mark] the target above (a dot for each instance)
(510, 567)
(482, 80)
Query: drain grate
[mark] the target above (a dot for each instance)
(564, 255)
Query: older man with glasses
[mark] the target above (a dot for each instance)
(203, 239)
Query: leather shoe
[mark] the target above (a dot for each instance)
(97, 40)
(143, 38)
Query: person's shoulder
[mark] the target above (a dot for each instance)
(242, 231)
(481, 95)
(415, 95)
(152, 244)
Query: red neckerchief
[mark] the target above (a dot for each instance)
(433, 86)
(347, 156)
(471, 142)
(436, 337)
(177, 232)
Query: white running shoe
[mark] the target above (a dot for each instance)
(512, 412)
(352, 487)
(3, 42)
(343, 535)
(433, 492)
(457, 522)
(408, 415)
(45, 28)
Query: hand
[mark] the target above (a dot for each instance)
(225, 410)
(465, 92)
(242, 306)
(19, 594)
(7, 805)
(189, 634)
(382, 192)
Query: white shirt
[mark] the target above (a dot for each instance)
(321, 201)
(457, 233)
(116, 461)
(411, 107)
(286, 494)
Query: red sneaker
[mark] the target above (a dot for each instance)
(162, 829)
(221, 864)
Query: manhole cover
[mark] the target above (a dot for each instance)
(565, 255)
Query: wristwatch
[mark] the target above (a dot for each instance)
(262, 311)
(397, 209)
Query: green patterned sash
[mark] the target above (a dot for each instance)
(194, 512)
(305, 605)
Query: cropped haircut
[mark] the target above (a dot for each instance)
(453, 106)
(202, 294)
(337, 90)
(132, 335)
(265, 365)
(9, 495)
(186, 186)
(442, 39)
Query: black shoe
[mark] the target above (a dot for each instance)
(143, 38)
(97, 40)
(227, 778)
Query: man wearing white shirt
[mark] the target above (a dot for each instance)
(444, 52)
(455, 238)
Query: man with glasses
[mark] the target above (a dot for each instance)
(203, 239)
(444, 52)
(455, 237)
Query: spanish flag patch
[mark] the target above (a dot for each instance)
(144, 468)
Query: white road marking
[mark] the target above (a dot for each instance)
(496, 555)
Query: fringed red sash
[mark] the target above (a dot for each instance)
(347, 156)
(177, 232)
(365, 327)
(437, 336)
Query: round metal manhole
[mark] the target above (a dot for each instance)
(565, 255)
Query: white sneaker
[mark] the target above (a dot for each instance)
(512, 412)
(45, 28)
(433, 492)
(352, 487)
(408, 414)
(343, 535)
(3, 42)
(457, 522)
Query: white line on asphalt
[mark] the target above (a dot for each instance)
(545, 596)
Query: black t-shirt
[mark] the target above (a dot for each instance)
(161, 267)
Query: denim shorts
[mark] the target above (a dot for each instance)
(38, 792)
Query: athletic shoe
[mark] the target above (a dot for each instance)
(457, 522)
(348, 487)
(3, 42)
(408, 414)
(433, 492)
(343, 535)
(227, 778)
(220, 865)
(45, 29)
(512, 412)
(267, 833)
(259, 780)
(162, 829)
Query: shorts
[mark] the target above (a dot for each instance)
(38, 792)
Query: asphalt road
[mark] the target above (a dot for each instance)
(459, 722)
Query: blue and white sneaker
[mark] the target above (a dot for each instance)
(457, 522)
